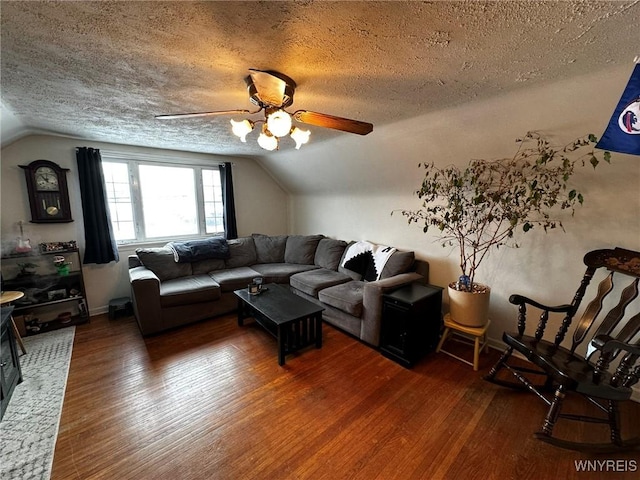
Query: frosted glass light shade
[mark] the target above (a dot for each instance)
(242, 129)
(279, 123)
(268, 142)
(300, 136)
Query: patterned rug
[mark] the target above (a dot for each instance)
(29, 427)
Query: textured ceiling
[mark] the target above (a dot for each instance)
(102, 70)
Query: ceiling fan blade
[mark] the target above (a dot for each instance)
(201, 114)
(337, 123)
(270, 88)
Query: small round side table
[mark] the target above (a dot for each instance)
(7, 298)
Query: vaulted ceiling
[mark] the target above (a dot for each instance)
(102, 70)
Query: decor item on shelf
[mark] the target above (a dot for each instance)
(273, 91)
(57, 294)
(48, 192)
(33, 325)
(23, 245)
(479, 207)
(58, 246)
(27, 269)
(61, 265)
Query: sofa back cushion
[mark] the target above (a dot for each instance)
(269, 249)
(399, 262)
(242, 252)
(161, 262)
(329, 253)
(301, 249)
(208, 265)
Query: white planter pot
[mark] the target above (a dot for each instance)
(469, 308)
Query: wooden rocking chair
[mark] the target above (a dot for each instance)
(615, 336)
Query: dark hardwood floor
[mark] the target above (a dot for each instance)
(209, 401)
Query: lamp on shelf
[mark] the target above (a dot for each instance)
(277, 124)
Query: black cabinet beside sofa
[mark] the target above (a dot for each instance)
(167, 294)
(411, 323)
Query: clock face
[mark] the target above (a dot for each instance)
(46, 179)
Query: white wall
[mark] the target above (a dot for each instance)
(261, 204)
(375, 175)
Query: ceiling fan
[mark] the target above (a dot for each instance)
(273, 91)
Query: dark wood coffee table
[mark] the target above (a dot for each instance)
(294, 321)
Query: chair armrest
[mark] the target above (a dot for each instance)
(522, 300)
(522, 303)
(606, 344)
(145, 293)
(134, 261)
(625, 375)
(140, 274)
(372, 303)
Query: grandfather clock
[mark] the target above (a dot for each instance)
(48, 192)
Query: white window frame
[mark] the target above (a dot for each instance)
(133, 161)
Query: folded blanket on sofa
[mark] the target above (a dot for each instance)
(367, 259)
(194, 250)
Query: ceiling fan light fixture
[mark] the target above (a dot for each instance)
(242, 129)
(267, 141)
(279, 123)
(300, 136)
(272, 92)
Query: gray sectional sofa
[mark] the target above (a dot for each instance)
(167, 293)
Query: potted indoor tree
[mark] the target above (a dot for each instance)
(481, 206)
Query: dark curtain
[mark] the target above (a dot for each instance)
(228, 204)
(100, 245)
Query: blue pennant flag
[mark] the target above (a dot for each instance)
(623, 132)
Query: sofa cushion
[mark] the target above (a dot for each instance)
(329, 253)
(188, 290)
(231, 279)
(279, 272)
(301, 249)
(269, 249)
(242, 252)
(399, 262)
(160, 261)
(206, 266)
(346, 297)
(313, 281)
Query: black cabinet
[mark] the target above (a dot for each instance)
(10, 374)
(54, 291)
(411, 322)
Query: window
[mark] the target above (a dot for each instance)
(151, 200)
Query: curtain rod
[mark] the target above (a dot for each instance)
(153, 157)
